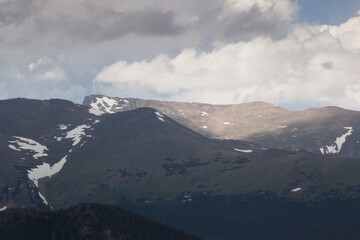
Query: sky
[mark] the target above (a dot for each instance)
(296, 54)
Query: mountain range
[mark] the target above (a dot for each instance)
(152, 158)
(328, 130)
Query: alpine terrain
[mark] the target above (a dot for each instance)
(327, 131)
(148, 157)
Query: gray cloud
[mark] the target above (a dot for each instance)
(50, 23)
(253, 23)
(83, 36)
(16, 11)
(103, 24)
(328, 65)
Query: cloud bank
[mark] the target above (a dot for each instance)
(317, 65)
(217, 51)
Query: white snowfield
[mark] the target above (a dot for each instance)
(77, 133)
(244, 151)
(45, 170)
(227, 123)
(14, 148)
(96, 112)
(336, 147)
(160, 116)
(28, 144)
(106, 105)
(3, 208)
(296, 190)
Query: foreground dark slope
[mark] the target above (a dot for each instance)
(263, 123)
(85, 221)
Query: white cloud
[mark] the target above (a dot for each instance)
(45, 68)
(41, 61)
(56, 73)
(59, 24)
(348, 33)
(313, 64)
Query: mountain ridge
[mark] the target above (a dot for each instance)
(263, 123)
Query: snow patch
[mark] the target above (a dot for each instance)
(186, 198)
(3, 208)
(339, 142)
(282, 126)
(77, 133)
(62, 126)
(244, 151)
(203, 113)
(29, 144)
(227, 123)
(204, 127)
(96, 112)
(83, 144)
(160, 116)
(14, 148)
(107, 105)
(45, 170)
(296, 190)
(43, 198)
(96, 121)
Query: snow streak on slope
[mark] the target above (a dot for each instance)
(336, 147)
(3, 208)
(203, 113)
(296, 190)
(43, 198)
(160, 116)
(45, 170)
(77, 133)
(29, 144)
(244, 151)
(107, 105)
